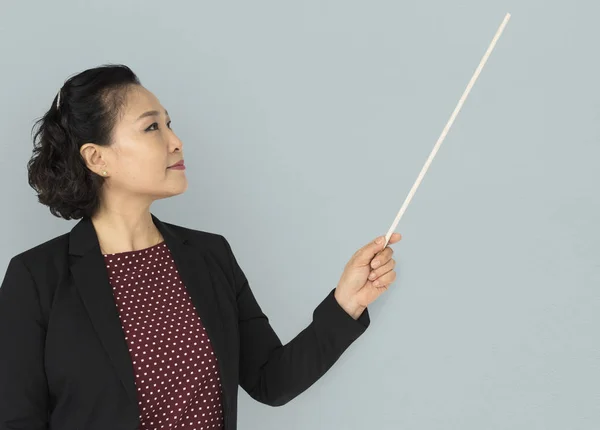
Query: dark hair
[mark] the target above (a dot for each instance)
(89, 106)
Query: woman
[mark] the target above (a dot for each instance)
(129, 322)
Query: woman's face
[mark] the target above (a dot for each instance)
(144, 146)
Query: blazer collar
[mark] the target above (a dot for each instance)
(83, 237)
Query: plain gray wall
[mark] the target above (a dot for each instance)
(306, 123)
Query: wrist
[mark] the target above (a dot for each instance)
(352, 308)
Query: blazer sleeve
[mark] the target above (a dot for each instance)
(23, 386)
(273, 373)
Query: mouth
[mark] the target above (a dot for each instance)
(178, 164)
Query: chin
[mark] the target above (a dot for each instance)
(174, 189)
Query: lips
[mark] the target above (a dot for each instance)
(178, 164)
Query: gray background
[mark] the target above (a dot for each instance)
(304, 126)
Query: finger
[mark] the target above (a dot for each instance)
(365, 254)
(385, 280)
(382, 257)
(395, 237)
(377, 273)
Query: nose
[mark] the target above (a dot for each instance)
(175, 144)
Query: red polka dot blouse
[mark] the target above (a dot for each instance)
(176, 372)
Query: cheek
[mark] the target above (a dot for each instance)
(144, 166)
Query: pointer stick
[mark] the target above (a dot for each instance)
(445, 131)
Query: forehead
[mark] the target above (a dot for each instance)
(140, 100)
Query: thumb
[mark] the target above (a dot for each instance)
(365, 254)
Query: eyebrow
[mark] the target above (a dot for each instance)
(151, 113)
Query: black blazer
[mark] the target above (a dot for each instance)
(64, 361)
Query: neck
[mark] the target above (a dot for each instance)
(122, 231)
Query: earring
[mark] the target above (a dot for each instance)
(104, 172)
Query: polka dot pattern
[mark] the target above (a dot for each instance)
(176, 373)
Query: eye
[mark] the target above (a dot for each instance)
(156, 124)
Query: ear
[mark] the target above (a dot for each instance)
(92, 157)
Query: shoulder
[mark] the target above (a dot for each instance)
(199, 238)
(214, 246)
(39, 267)
(52, 249)
(212, 243)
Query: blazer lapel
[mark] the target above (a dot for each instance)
(195, 275)
(91, 278)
